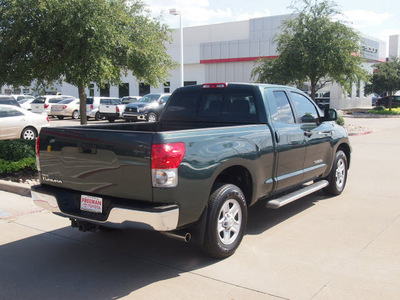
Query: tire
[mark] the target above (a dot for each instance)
(29, 133)
(75, 114)
(97, 116)
(338, 175)
(60, 117)
(151, 117)
(226, 221)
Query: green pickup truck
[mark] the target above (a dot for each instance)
(216, 150)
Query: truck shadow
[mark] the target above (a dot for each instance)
(66, 263)
(260, 219)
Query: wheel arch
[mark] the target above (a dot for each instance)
(239, 176)
(29, 127)
(347, 150)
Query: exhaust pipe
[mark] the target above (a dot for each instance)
(183, 237)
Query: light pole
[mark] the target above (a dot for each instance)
(175, 12)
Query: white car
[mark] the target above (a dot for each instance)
(66, 108)
(43, 103)
(18, 123)
(26, 103)
(92, 106)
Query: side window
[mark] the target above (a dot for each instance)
(281, 111)
(307, 111)
(10, 113)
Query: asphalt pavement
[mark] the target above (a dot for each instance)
(345, 247)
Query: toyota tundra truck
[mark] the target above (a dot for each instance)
(216, 150)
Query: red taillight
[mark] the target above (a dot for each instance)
(167, 156)
(46, 105)
(47, 118)
(64, 107)
(37, 146)
(91, 107)
(117, 109)
(214, 85)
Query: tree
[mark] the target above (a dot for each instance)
(80, 41)
(314, 47)
(385, 79)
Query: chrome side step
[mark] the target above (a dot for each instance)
(279, 202)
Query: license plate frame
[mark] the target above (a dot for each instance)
(91, 204)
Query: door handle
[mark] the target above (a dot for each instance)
(308, 133)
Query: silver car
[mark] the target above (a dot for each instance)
(66, 108)
(18, 123)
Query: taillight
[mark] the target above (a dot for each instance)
(64, 107)
(117, 109)
(47, 118)
(46, 105)
(165, 160)
(91, 107)
(37, 145)
(214, 85)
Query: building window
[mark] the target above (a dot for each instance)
(105, 92)
(124, 90)
(144, 89)
(167, 86)
(358, 88)
(187, 83)
(350, 91)
(91, 90)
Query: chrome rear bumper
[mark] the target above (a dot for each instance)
(164, 218)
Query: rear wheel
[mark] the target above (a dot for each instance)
(226, 221)
(60, 117)
(338, 176)
(97, 116)
(29, 133)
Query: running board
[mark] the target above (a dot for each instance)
(279, 202)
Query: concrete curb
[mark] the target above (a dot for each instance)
(22, 189)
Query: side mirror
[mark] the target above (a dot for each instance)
(330, 114)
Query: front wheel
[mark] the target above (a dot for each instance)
(152, 117)
(97, 116)
(75, 114)
(226, 221)
(338, 175)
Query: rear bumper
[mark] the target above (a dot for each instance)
(160, 218)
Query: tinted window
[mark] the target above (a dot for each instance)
(54, 100)
(9, 112)
(281, 110)
(218, 105)
(306, 110)
(89, 100)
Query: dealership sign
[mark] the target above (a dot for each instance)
(369, 49)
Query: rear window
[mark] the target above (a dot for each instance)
(54, 100)
(215, 105)
(89, 100)
(39, 100)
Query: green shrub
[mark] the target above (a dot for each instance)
(17, 155)
(16, 150)
(340, 120)
(7, 167)
(380, 110)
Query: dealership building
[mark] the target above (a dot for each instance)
(228, 52)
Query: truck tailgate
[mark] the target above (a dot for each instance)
(108, 108)
(97, 161)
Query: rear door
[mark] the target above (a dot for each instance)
(37, 105)
(289, 140)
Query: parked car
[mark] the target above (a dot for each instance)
(384, 101)
(26, 103)
(42, 104)
(114, 109)
(16, 122)
(66, 108)
(148, 108)
(19, 98)
(8, 100)
(217, 149)
(92, 106)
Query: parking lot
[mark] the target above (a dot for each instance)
(345, 247)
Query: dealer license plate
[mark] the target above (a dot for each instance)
(92, 204)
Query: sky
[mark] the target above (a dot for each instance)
(378, 18)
